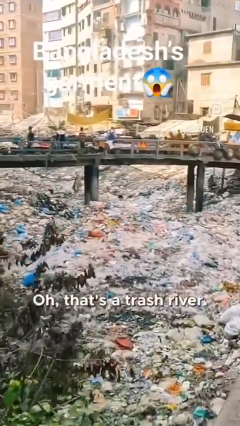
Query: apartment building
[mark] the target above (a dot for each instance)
(113, 23)
(105, 33)
(52, 63)
(213, 70)
(21, 85)
(162, 23)
(83, 25)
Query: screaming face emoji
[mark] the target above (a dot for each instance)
(157, 82)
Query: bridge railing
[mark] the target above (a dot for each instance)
(151, 146)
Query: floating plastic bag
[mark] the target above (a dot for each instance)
(124, 343)
(230, 314)
(21, 229)
(30, 279)
(18, 202)
(77, 253)
(96, 233)
(4, 208)
(232, 328)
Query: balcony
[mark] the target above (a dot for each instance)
(167, 21)
(100, 4)
(101, 25)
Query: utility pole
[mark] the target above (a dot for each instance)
(115, 38)
(76, 53)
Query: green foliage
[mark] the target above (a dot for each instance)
(57, 127)
(19, 411)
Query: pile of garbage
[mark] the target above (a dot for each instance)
(143, 295)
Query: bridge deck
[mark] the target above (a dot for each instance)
(157, 153)
(74, 159)
(122, 151)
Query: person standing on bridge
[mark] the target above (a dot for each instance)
(82, 137)
(111, 135)
(30, 137)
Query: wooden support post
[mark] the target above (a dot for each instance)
(223, 178)
(200, 187)
(94, 190)
(91, 183)
(87, 183)
(190, 187)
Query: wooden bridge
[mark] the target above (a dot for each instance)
(152, 152)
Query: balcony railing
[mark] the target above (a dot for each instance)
(98, 4)
(167, 20)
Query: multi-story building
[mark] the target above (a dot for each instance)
(168, 21)
(115, 23)
(213, 71)
(130, 97)
(162, 23)
(52, 41)
(21, 76)
(105, 33)
(83, 25)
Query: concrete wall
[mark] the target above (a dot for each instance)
(223, 88)
(221, 48)
(225, 13)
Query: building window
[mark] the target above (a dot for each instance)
(168, 64)
(12, 6)
(155, 37)
(167, 11)
(2, 60)
(55, 35)
(53, 73)
(52, 16)
(207, 47)
(1, 43)
(95, 68)
(89, 20)
(2, 77)
(158, 8)
(237, 6)
(14, 95)
(105, 18)
(205, 79)
(69, 30)
(1, 8)
(88, 42)
(175, 13)
(83, 25)
(1, 26)
(88, 89)
(95, 91)
(12, 24)
(71, 70)
(88, 67)
(204, 111)
(64, 11)
(12, 59)
(13, 77)
(2, 95)
(82, 69)
(12, 41)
